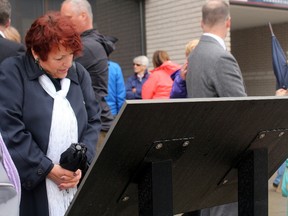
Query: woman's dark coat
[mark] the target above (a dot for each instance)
(26, 112)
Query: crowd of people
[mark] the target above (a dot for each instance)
(67, 91)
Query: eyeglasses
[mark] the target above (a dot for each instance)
(138, 65)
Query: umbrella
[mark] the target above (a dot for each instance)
(74, 157)
(279, 62)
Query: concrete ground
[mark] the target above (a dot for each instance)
(277, 203)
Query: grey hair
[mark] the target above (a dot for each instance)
(81, 5)
(5, 12)
(143, 60)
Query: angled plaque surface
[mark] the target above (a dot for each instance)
(204, 138)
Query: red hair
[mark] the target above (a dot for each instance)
(49, 31)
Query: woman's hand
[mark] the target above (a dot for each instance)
(65, 179)
(183, 71)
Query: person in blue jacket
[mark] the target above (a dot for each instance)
(116, 88)
(46, 104)
(135, 82)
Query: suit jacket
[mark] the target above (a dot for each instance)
(10, 48)
(213, 71)
(26, 113)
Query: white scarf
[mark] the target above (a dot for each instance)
(63, 132)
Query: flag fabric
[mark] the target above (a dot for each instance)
(279, 61)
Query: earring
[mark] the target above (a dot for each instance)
(36, 60)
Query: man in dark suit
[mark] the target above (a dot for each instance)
(214, 72)
(8, 48)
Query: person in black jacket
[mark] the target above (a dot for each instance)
(8, 47)
(96, 49)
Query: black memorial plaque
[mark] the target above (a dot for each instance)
(204, 140)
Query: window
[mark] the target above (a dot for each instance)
(25, 12)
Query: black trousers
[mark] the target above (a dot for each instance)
(194, 213)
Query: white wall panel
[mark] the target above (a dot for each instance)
(170, 24)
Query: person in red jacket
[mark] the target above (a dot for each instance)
(159, 83)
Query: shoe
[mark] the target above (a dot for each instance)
(275, 185)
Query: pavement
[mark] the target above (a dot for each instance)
(277, 204)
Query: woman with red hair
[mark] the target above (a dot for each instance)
(46, 104)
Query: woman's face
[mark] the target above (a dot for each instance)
(138, 68)
(59, 61)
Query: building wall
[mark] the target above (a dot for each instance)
(118, 18)
(121, 19)
(170, 25)
(252, 49)
(25, 12)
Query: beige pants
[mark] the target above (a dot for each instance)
(100, 143)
